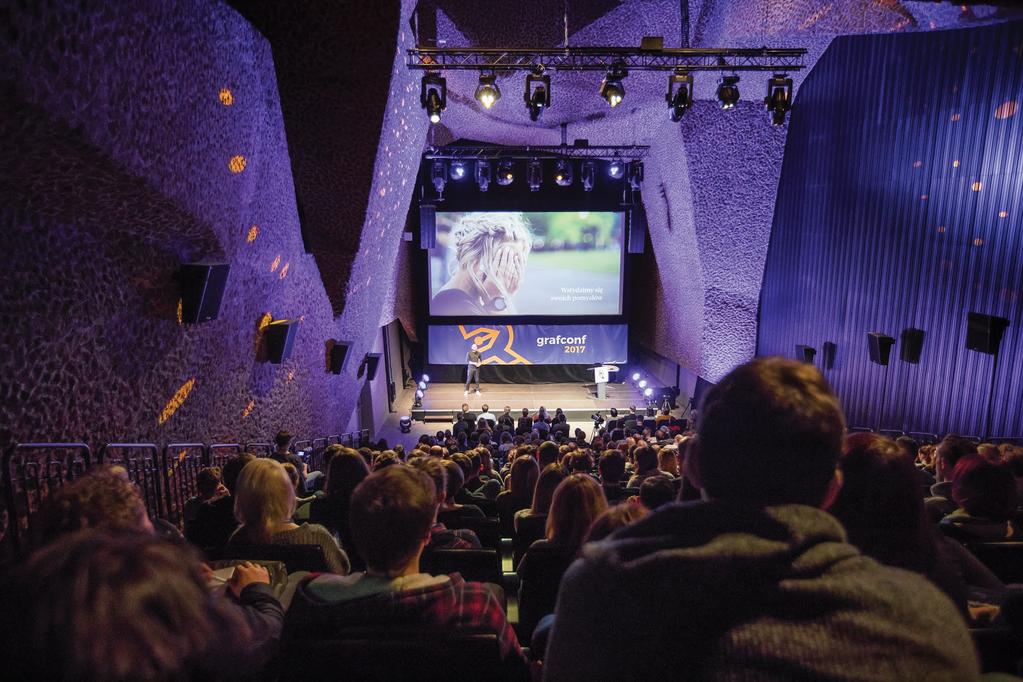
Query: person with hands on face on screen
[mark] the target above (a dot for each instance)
(473, 360)
(490, 254)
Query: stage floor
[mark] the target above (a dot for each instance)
(577, 400)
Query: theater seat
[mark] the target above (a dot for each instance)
(294, 557)
(1005, 559)
(396, 654)
(487, 529)
(475, 565)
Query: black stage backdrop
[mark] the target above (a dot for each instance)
(514, 374)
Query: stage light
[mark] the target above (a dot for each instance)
(482, 177)
(538, 93)
(728, 91)
(611, 88)
(418, 402)
(648, 392)
(433, 95)
(589, 174)
(635, 376)
(616, 169)
(563, 173)
(457, 170)
(636, 174)
(642, 383)
(422, 385)
(779, 97)
(426, 378)
(405, 424)
(439, 175)
(680, 94)
(505, 172)
(487, 92)
(534, 175)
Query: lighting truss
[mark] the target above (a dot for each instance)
(494, 152)
(604, 58)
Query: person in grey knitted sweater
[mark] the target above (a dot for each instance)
(756, 581)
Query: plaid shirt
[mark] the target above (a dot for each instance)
(453, 603)
(457, 538)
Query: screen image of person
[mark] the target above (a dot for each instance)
(538, 263)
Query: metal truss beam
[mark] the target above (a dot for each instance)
(488, 153)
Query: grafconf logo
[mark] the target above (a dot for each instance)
(496, 344)
(560, 340)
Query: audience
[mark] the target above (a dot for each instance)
(215, 520)
(656, 491)
(986, 499)
(209, 485)
(264, 506)
(283, 454)
(611, 466)
(613, 518)
(345, 470)
(531, 524)
(756, 581)
(440, 536)
(519, 495)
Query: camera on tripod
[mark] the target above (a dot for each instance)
(597, 418)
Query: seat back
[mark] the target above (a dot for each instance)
(294, 557)
(475, 565)
(531, 529)
(219, 453)
(260, 449)
(487, 529)
(538, 590)
(1005, 559)
(181, 465)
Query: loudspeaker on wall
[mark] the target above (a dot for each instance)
(279, 337)
(338, 355)
(372, 363)
(912, 345)
(984, 332)
(427, 226)
(637, 228)
(202, 290)
(830, 350)
(805, 353)
(880, 347)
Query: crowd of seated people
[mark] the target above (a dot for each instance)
(770, 524)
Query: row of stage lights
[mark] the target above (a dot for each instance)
(564, 173)
(639, 382)
(421, 387)
(778, 102)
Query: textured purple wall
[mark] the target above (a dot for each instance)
(121, 168)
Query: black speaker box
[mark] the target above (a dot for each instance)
(338, 355)
(880, 347)
(202, 290)
(912, 345)
(830, 351)
(637, 228)
(427, 226)
(279, 337)
(984, 332)
(372, 363)
(805, 353)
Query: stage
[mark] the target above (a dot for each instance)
(578, 401)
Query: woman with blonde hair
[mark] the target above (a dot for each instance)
(264, 503)
(490, 252)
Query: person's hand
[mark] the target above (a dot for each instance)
(206, 572)
(245, 574)
(509, 268)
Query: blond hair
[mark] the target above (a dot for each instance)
(478, 237)
(264, 498)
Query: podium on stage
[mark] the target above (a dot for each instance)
(601, 374)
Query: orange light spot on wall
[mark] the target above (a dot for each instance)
(1006, 109)
(236, 164)
(248, 409)
(956, 117)
(941, 229)
(923, 197)
(277, 261)
(955, 164)
(1003, 214)
(978, 242)
(176, 400)
(265, 320)
(291, 376)
(253, 233)
(383, 191)
(977, 186)
(917, 163)
(284, 270)
(226, 97)
(181, 315)
(301, 318)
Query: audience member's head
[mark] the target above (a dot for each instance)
(788, 446)
(578, 500)
(282, 440)
(522, 479)
(667, 460)
(580, 462)
(613, 518)
(656, 491)
(102, 499)
(391, 515)
(118, 607)
(983, 489)
(950, 450)
(646, 460)
(265, 499)
(549, 480)
(548, 454)
(208, 482)
(385, 459)
(233, 469)
(611, 466)
(455, 480)
(437, 471)
(293, 476)
(347, 469)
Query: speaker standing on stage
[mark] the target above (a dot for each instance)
(472, 368)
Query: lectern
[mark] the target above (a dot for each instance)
(601, 374)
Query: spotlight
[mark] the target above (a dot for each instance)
(482, 177)
(635, 174)
(563, 173)
(680, 94)
(433, 95)
(589, 174)
(505, 172)
(487, 91)
(418, 402)
(728, 91)
(457, 170)
(439, 175)
(611, 88)
(426, 378)
(635, 376)
(779, 97)
(405, 424)
(422, 385)
(534, 175)
(648, 392)
(538, 93)
(616, 169)
(642, 383)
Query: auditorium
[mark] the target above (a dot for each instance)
(511, 340)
